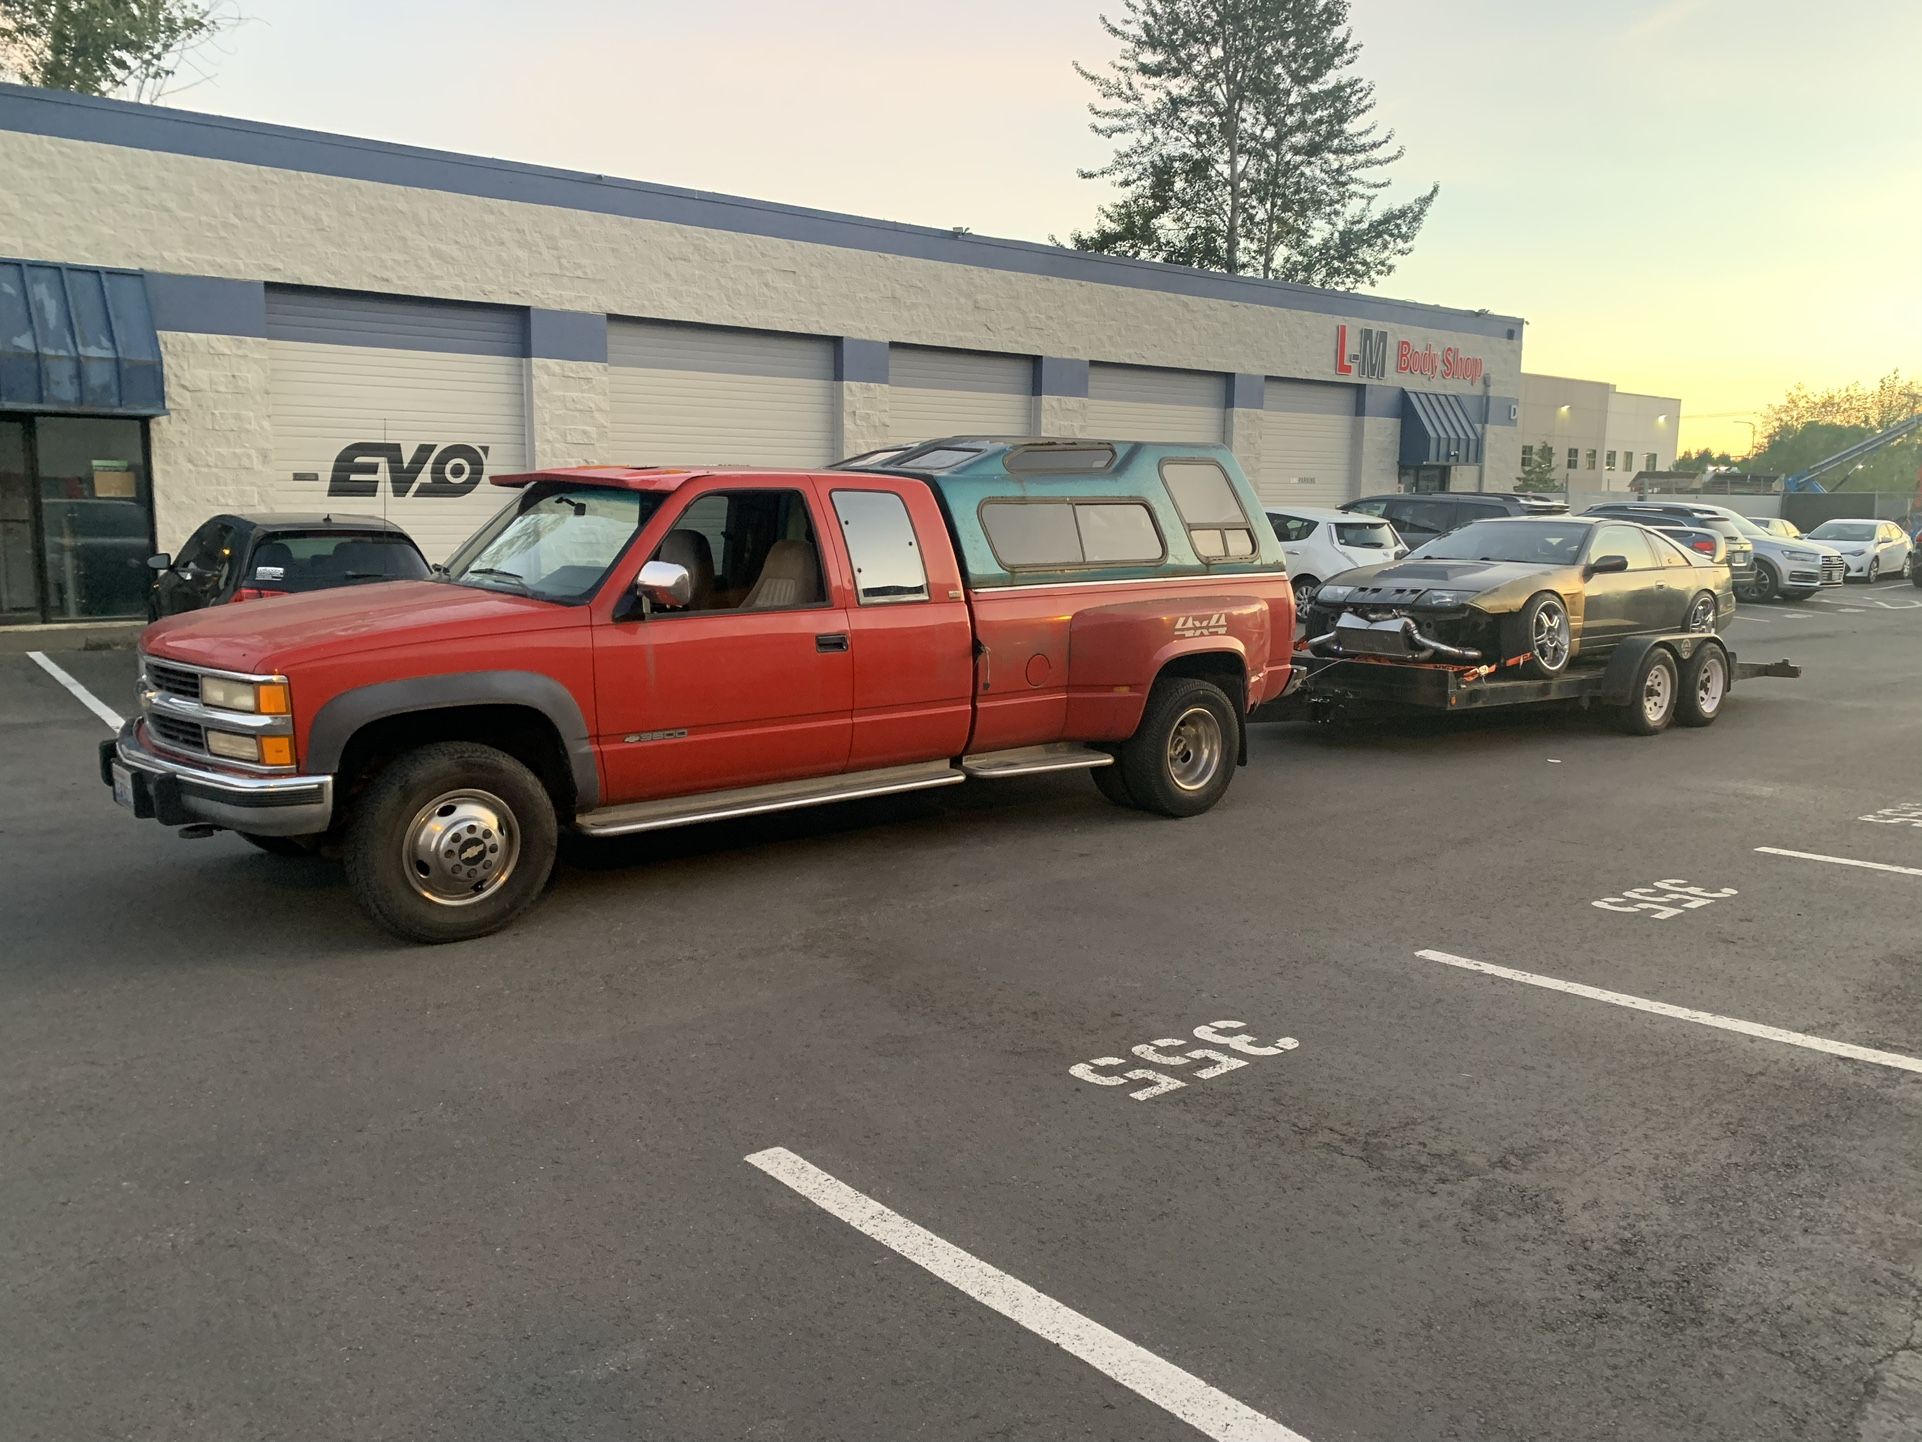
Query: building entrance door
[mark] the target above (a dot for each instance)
(76, 519)
(19, 573)
(1424, 480)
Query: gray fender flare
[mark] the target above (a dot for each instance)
(346, 713)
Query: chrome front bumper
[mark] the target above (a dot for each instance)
(176, 793)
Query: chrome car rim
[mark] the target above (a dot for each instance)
(1710, 685)
(1194, 749)
(1551, 637)
(1655, 694)
(1701, 616)
(1304, 592)
(460, 847)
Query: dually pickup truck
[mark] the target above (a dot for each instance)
(625, 649)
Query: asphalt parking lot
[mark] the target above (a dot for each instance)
(270, 1174)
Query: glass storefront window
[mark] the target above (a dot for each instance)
(19, 586)
(96, 507)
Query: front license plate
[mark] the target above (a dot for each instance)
(123, 786)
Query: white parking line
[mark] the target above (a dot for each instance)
(1841, 861)
(1202, 1407)
(1685, 1013)
(86, 698)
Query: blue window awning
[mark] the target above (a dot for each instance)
(1436, 431)
(77, 338)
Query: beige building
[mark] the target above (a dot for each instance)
(208, 314)
(1601, 438)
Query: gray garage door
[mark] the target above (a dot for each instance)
(1138, 403)
(705, 395)
(956, 392)
(1307, 443)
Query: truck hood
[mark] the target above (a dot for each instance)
(273, 634)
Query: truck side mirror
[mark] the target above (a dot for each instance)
(1607, 565)
(662, 583)
(160, 563)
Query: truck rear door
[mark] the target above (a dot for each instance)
(910, 636)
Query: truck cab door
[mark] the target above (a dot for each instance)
(749, 684)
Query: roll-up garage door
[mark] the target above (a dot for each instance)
(397, 408)
(1307, 443)
(938, 393)
(703, 395)
(1135, 403)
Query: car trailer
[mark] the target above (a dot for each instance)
(1649, 681)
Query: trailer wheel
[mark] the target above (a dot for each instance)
(1540, 631)
(1704, 687)
(1182, 756)
(1651, 699)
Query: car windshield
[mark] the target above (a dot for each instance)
(1843, 531)
(1749, 528)
(1547, 543)
(555, 543)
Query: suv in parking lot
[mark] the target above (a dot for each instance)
(1421, 518)
(1682, 516)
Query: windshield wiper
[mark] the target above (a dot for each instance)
(520, 582)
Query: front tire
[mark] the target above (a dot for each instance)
(1651, 700)
(1875, 569)
(450, 842)
(1182, 757)
(1704, 687)
(1112, 785)
(1765, 584)
(1305, 588)
(1540, 632)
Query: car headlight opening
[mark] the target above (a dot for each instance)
(1332, 594)
(261, 698)
(1438, 599)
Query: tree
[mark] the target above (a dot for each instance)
(1807, 426)
(1694, 463)
(1244, 144)
(1539, 472)
(129, 48)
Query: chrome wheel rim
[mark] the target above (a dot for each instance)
(1550, 638)
(1701, 616)
(1656, 694)
(1711, 684)
(1875, 570)
(1194, 748)
(460, 847)
(1304, 592)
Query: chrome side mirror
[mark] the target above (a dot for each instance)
(662, 583)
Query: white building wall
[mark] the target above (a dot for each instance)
(1592, 416)
(214, 449)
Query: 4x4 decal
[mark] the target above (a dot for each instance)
(1214, 623)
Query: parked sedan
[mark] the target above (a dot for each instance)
(1871, 549)
(249, 557)
(1543, 593)
(1319, 544)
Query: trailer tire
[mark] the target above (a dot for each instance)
(1651, 699)
(1705, 678)
(1541, 632)
(1182, 756)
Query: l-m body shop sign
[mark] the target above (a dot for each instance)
(1362, 352)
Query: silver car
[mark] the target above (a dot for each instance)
(1792, 567)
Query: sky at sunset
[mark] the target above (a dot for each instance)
(1704, 198)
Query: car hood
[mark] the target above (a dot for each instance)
(271, 635)
(1416, 574)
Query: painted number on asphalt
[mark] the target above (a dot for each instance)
(1101, 1071)
(1664, 899)
(1909, 813)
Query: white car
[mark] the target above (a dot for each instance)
(1872, 549)
(1320, 544)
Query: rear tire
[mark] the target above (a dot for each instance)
(290, 846)
(1182, 757)
(1701, 614)
(1704, 687)
(1542, 632)
(450, 842)
(1651, 700)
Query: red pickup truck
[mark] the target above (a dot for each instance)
(626, 649)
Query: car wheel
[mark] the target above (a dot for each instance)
(294, 846)
(1765, 583)
(1704, 686)
(1875, 569)
(1182, 756)
(1915, 571)
(1305, 588)
(1540, 632)
(450, 842)
(1112, 784)
(1651, 700)
(1701, 615)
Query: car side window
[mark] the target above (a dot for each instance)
(752, 550)
(208, 551)
(1217, 526)
(1668, 553)
(1368, 508)
(881, 542)
(1624, 541)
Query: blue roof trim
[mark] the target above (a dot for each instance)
(78, 338)
(1060, 376)
(567, 335)
(861, 360)
(207, 305)
(1436, 431)
(177, 132)
(1247, 392)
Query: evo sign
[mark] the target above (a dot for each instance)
(429, 470)
(1363, 353)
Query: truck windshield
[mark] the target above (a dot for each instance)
(556, 543)
(1546, 543)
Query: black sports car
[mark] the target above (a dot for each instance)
(247, 557)
(1540, 592)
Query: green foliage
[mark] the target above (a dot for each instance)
(1539, 471)
(132, 48)
(1808, 426)
(1244, 144)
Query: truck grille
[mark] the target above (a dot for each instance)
(176, 733)
(174, 680)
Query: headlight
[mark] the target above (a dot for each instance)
(261, 751)
(1446, 598)
(264, 698)
(1334, 593)
(1806, 557)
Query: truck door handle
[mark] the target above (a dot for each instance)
(831, 641)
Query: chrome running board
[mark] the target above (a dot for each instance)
(754, 800)
(1033, 760)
